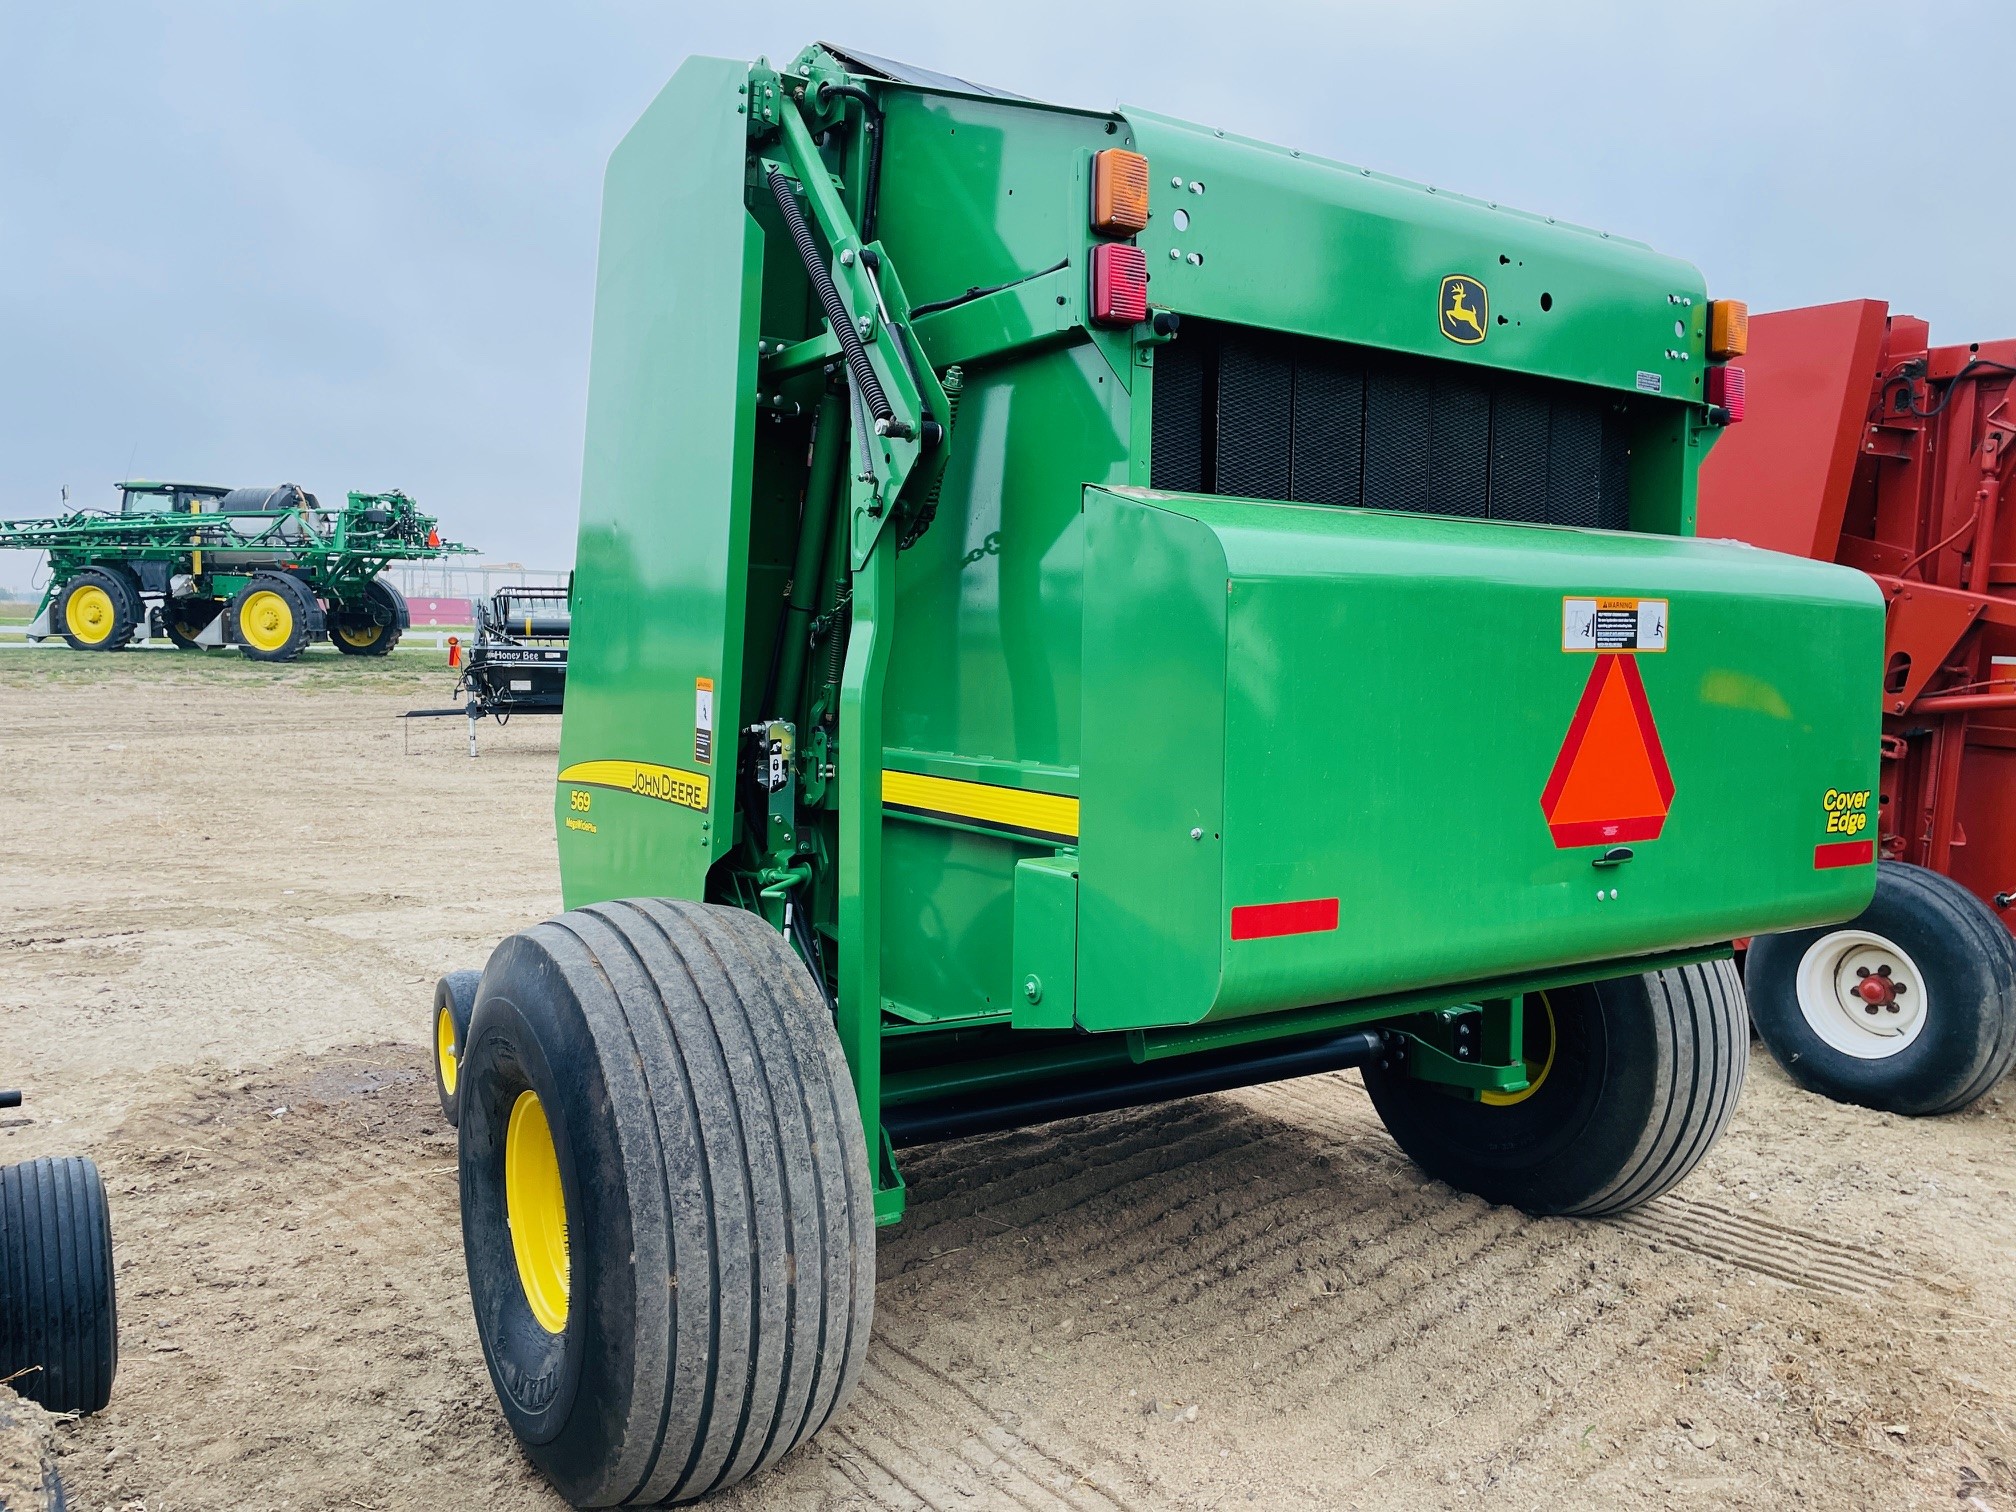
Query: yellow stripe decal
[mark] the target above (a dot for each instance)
(1043, 814)
(667, 784)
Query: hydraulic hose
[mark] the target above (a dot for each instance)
(865, 381)
(825, 482)
(871, 118)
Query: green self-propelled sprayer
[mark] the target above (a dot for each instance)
(266, 569)
(1076, 609)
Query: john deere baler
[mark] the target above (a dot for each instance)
(1076, 609)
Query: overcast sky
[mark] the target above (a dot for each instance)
(352, 245)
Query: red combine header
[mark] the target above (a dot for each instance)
(1867, 445)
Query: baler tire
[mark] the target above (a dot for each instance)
(59, 1316)
(1962, 1038)
(448, 1033)
(371, 630)
(114, 608)
(666, 1075)
(296, 631)
(1635, 1080)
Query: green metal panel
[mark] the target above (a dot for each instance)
(1046, 942)
(663, 555)
(1152, 784)
(1299, 243)
(1378, 701)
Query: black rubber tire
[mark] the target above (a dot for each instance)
(719, 1217)
(454, 998)
(383, 611)
(127, 607)
(184, 619)
(1969, 962)
(307, 621)
(1643, 1074)
(59, 1317)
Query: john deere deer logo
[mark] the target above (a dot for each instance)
(1465, 309)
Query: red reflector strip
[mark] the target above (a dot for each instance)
(1266, 921)
(1606, 831)
(1844, 853)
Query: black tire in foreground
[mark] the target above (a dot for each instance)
(98, 610)
(454, 1000)
(666, 1209)
(1909, 1007)
(373, 627)
(1632, 1080)
(59, 1320)
(274, 616)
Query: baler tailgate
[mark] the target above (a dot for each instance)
(1400, 750)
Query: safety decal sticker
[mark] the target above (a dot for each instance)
(1028, 815)
(1610, 782)
(703, 720)
(1613, 624)
(1466, 309)
(666, 784)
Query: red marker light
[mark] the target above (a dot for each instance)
(1119, 284)
(1724, 389)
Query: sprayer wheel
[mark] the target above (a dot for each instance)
(271, 616)
(98, 610)
(370, 628)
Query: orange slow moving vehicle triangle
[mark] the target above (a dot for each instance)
(1610, 782)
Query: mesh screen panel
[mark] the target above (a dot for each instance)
(1256, 387)
(1459, 450)
(1260, 415)
(1399, 425)
(1574, 463)
(1176, 458)
(1327, 444)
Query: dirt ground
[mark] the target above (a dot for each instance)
(226, 889)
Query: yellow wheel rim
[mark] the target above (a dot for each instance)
(444, 1050)
(266, 620)
(361, 635)
(1536, 1076)
(536, 1208)
(90, 614)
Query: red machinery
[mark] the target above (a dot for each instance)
(1867, 445)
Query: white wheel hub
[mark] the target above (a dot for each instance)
(1862, 994)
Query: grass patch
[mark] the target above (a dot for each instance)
(422, 673)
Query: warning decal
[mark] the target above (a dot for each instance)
(703, 720)
(1613, 624)
(1611, 782)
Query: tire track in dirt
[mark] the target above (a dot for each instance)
(1796, 1256)
(934, 1442)
(1153, 1151)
